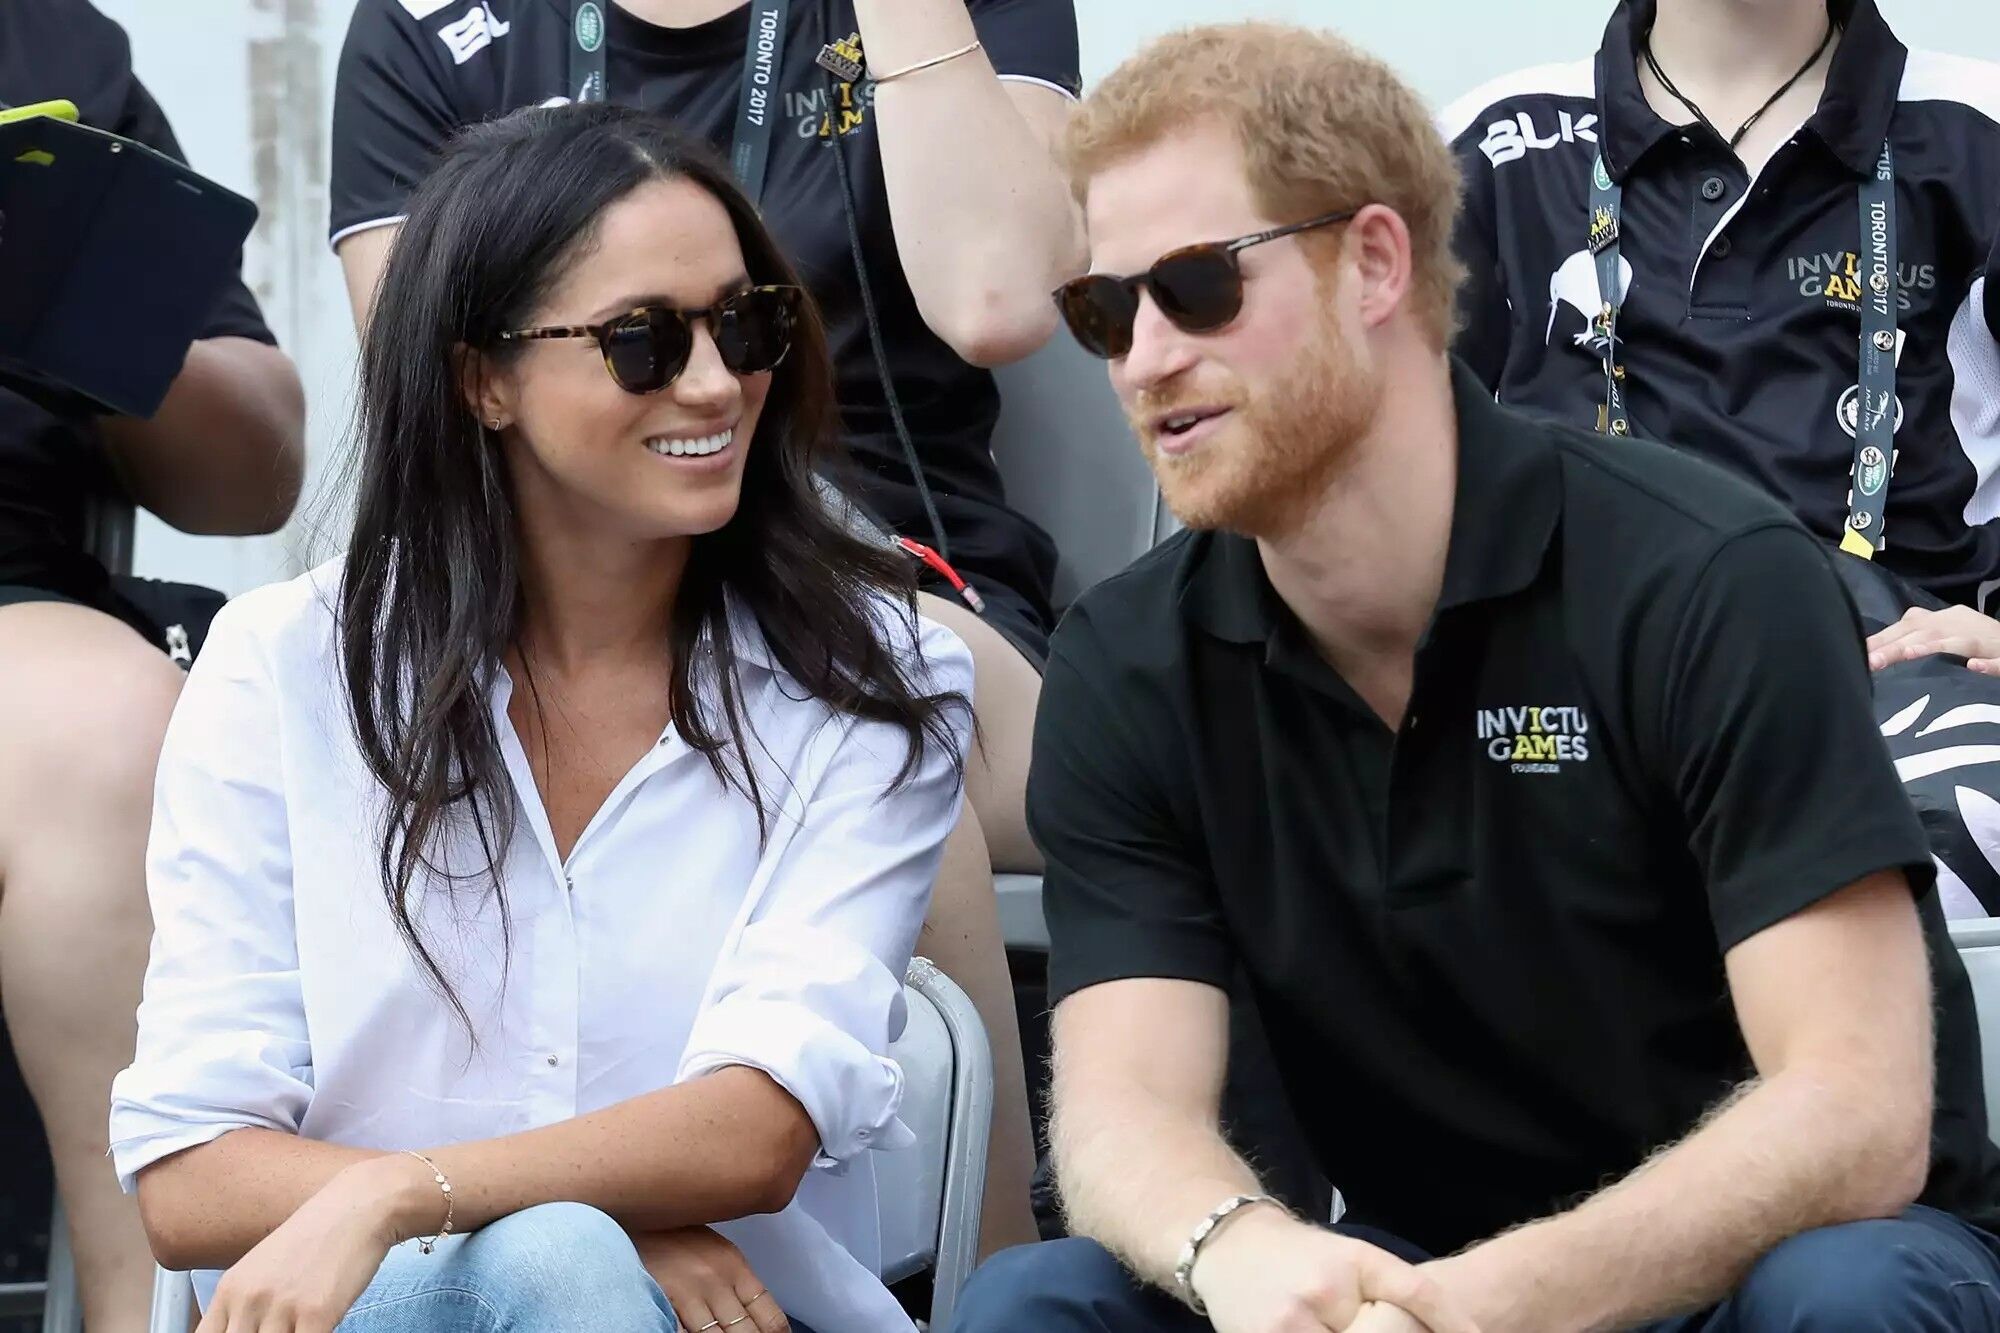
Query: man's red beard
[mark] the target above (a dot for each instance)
(1274, 456)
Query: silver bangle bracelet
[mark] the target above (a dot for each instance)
(1191, 1250)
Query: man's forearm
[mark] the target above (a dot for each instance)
(1679, 1234)
(225, 453)
(1140, 1178)
(984, 221)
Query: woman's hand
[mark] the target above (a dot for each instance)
(306, 1275)
(709, 1282)
(1957, 630)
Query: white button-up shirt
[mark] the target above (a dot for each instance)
(673, 941)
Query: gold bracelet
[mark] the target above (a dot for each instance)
(965, 50)
(426, 1246)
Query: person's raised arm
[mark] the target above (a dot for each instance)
(1798, 821)
(984, 221)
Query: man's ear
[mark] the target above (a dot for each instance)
(1378, 245)
(488, 389)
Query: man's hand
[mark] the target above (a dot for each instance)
(708, 1281)
(1381, 1318)
(1958, 631)
(1269, 1273)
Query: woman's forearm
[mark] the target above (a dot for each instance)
(209, 1206)
(719, 1147)
(984, 221)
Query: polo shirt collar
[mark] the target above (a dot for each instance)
(1853, 115)
(1505, 506)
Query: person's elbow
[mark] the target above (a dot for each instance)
(989, 326)
(164, 1214)
(273, 453)
(784, 1142)
(1895, 1163)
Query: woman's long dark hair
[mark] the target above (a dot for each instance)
(431, 598)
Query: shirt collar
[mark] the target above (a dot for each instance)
(1853, 115)
(1505, 505)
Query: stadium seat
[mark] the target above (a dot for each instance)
(930, 1195)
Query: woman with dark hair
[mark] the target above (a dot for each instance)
(901, 152)
(534, 888)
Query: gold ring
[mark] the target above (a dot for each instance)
(737, 1320)
(758, 1297)
(713, 1323)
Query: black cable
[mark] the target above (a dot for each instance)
(1653, 63)
(939, 542)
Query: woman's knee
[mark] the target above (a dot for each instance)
(562, 1267)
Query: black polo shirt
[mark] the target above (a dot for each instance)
(51, 458)
(414, 72)
(1741, 323)
(1488, 947)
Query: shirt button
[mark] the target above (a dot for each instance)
(1721, 248)
(1713, 189)
(553, 1062)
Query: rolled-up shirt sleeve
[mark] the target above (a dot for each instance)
(811, 990)
(222, 1031)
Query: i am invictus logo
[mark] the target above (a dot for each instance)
(1535, 739)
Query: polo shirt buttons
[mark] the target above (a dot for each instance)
(1721, 248)
(553, 1062)
(1713, 189)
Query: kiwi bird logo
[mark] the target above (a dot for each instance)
(1575, 285)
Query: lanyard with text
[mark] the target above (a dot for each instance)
(763, 61)
(1875, 408)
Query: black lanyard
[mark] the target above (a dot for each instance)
(763, 61)
(1875, 407)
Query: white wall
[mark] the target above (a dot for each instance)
(248, 85)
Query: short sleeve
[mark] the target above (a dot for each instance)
(810, 990)
(223, 1043)
(1031, 41)
(1782, 776)
(392, 113)
(1485, 321)
(236, 313)
(1123, 894)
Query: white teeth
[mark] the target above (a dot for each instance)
(712, 444)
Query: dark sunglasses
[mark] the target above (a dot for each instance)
(1198, 287)
(647, 350)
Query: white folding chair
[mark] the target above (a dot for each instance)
(931, 1194)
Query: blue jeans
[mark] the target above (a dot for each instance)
(559, 1268)
(1924, 1272)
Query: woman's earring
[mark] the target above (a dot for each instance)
(494, 424)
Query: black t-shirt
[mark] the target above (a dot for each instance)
(1740, 329)
(415, 71)
(51, 460)
(1488, 947)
